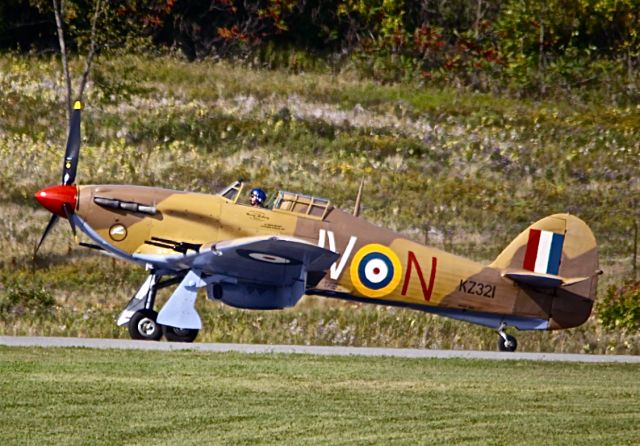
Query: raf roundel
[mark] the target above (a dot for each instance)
(375, 270)
(266, 257)
(262, 257)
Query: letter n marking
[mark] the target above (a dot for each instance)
(412, 261)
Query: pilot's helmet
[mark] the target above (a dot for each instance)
(260, 195)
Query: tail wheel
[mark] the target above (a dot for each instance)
(175, 334)
(143, 326)
(507, 343)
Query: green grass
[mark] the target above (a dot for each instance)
(83, 396)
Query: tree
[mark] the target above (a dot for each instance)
(58, 9)
(97, 26)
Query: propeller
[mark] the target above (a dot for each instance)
(72, 152)
(61, 200)
(52, 222)
(68, 212)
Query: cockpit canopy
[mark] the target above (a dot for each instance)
(286, 202)
(303, 205)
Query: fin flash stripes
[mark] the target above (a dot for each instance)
(544, 252)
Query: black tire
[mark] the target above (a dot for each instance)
(174, 334)
(143, 326)
(510, 345)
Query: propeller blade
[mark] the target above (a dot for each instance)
(50, 225)
(73, 147)
(68, 211)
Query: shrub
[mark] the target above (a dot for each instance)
(621, 307)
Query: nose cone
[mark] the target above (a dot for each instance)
(55, 197)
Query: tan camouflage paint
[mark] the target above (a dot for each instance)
(457, 282)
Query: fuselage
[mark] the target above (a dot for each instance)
(375, 264)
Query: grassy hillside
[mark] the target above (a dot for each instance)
(466, 172)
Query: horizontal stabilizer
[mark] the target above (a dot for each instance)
(541, 280)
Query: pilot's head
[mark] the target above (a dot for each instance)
(257, 197)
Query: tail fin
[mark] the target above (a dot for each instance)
(558, 253)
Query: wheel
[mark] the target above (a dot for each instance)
(175, 334)
(508, 345)
(143, 326)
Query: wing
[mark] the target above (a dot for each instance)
(273, 260)
(254, 272)
(269, 260)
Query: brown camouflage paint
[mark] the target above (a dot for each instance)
(427, 276)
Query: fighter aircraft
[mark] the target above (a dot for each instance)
(269, 257)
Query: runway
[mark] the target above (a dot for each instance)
(25, 341)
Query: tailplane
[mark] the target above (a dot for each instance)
(557, 255)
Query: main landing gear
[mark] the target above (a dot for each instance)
(173, 334)
(143, 326)
(141, 319)
(506, 342)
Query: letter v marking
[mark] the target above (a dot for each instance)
(338, 266)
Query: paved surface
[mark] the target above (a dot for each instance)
(20, 341)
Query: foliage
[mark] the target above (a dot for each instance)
(527, 49)
(125, 25)
(205, 28)
(21, 300)
(568, 45)
(620, 307)
(23, 26)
